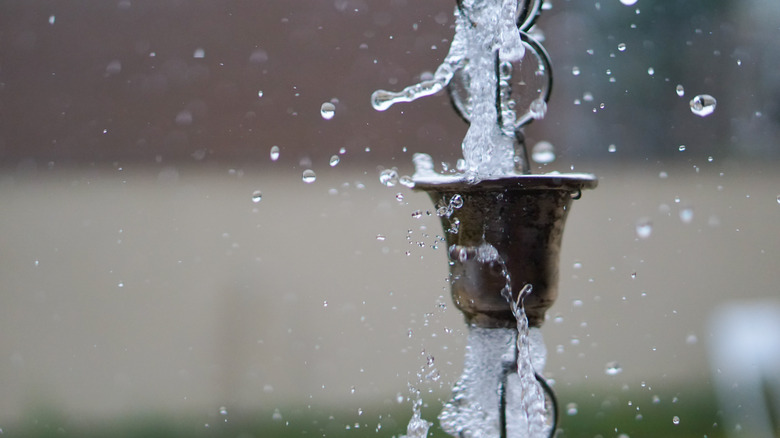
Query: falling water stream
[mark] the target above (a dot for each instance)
(498, 394)
(484, 30)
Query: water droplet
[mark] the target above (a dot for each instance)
(628, 2)
(277, 416)
(505, 70)
(644, 228)
(417, 214)
(703, 105)
(456, 201)
(656, 399)
(184, 118)
(681, 148)
(199, 53)
(613, 369)
(676, 419)
(612, 148)
(406, 181)
(274, 153)
(259, 93)
(388, 177)
(52, 18)
(543, 152)
(650, 71)
(121, 284)
(328, 110)
(538, 108)
(334, 160)
(686, 215)
(680, 90)
(309, 176)
(114, 67)
(325, 303)
(571, 409)
(257, 196)
(691, 339)
(778, 199)
(399, 197)
(622, 47)
(575, 71)
(222, 410)
(380, 237)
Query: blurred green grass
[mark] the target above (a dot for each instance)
(598, 414)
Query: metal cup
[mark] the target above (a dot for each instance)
(522, 217)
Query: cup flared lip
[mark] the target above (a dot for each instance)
(546, 181)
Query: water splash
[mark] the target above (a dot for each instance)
(417, 427)
(381, 100)
(423, 166)
(388, 177)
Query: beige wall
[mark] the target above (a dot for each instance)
(222, 300)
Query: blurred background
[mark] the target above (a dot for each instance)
(162, 275)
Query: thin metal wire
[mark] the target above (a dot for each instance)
(527, 16)
(544, 63)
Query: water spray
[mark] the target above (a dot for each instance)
(503, 225)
